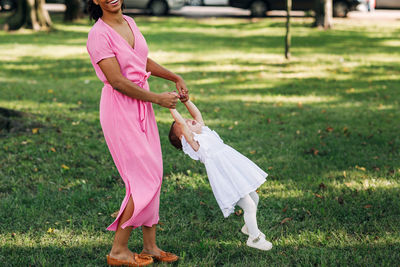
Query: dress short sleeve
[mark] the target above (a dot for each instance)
(99, 46)
(189, 150)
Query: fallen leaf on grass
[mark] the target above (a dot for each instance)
(376, 168)
(202, 203)
(347, 184)
(53, 149)
(115, 214)
(13, 234)
(270, 168)
(367, 206)
(285, 209)
(329, 129)
(360, 168)
(50, 230)
(239, 212)
(65, 167)
(286, 220)
(35, 130)
(312, 151)
(318, 196)
(308, 212)
(253, 152)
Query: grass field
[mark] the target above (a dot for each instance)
(325, 126)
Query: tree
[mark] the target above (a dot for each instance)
(323, 14)
(73, 10)
(288, 36)
(29, 14)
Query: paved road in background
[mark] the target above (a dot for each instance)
(203, 12)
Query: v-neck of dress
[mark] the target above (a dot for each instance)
(134, 35)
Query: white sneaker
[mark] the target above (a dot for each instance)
(245, 231)
(259, 242)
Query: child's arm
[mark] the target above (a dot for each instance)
(185, 130)
(194, 111)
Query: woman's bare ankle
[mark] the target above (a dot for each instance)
(121, 252)
(152, 250)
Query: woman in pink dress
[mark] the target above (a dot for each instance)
(118, 52)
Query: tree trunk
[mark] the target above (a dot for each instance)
(288, 36)
(73, 11)
(323, 14)
(319, 13)
(29, 14)
(328, 13)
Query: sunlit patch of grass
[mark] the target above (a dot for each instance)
(18, 51)
(274, 99)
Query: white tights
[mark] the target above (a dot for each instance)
(249, 205)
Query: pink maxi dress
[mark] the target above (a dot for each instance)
(128, 124)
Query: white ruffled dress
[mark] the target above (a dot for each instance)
(231, 175)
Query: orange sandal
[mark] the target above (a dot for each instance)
(138, 260)
(164, 257)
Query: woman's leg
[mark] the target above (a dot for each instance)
(250, 211)
(120, 248)
(149, 240)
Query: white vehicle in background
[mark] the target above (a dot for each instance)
(208, 2)
(389, 4)
(155, 7)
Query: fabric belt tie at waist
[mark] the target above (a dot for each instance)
(142, 105)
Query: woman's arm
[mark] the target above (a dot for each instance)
(160, 71)
(185, 130)
(111, 69)
(194, 111)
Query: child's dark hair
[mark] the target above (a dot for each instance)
(95, 11)
(173, 138)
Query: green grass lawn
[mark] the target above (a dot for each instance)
(325, 126)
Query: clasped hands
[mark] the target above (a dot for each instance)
(169, 99)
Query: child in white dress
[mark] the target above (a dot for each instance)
(233, 177)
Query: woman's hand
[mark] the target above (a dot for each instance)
(182, 89)
(167, 99)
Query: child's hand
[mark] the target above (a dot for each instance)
(184, 97)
